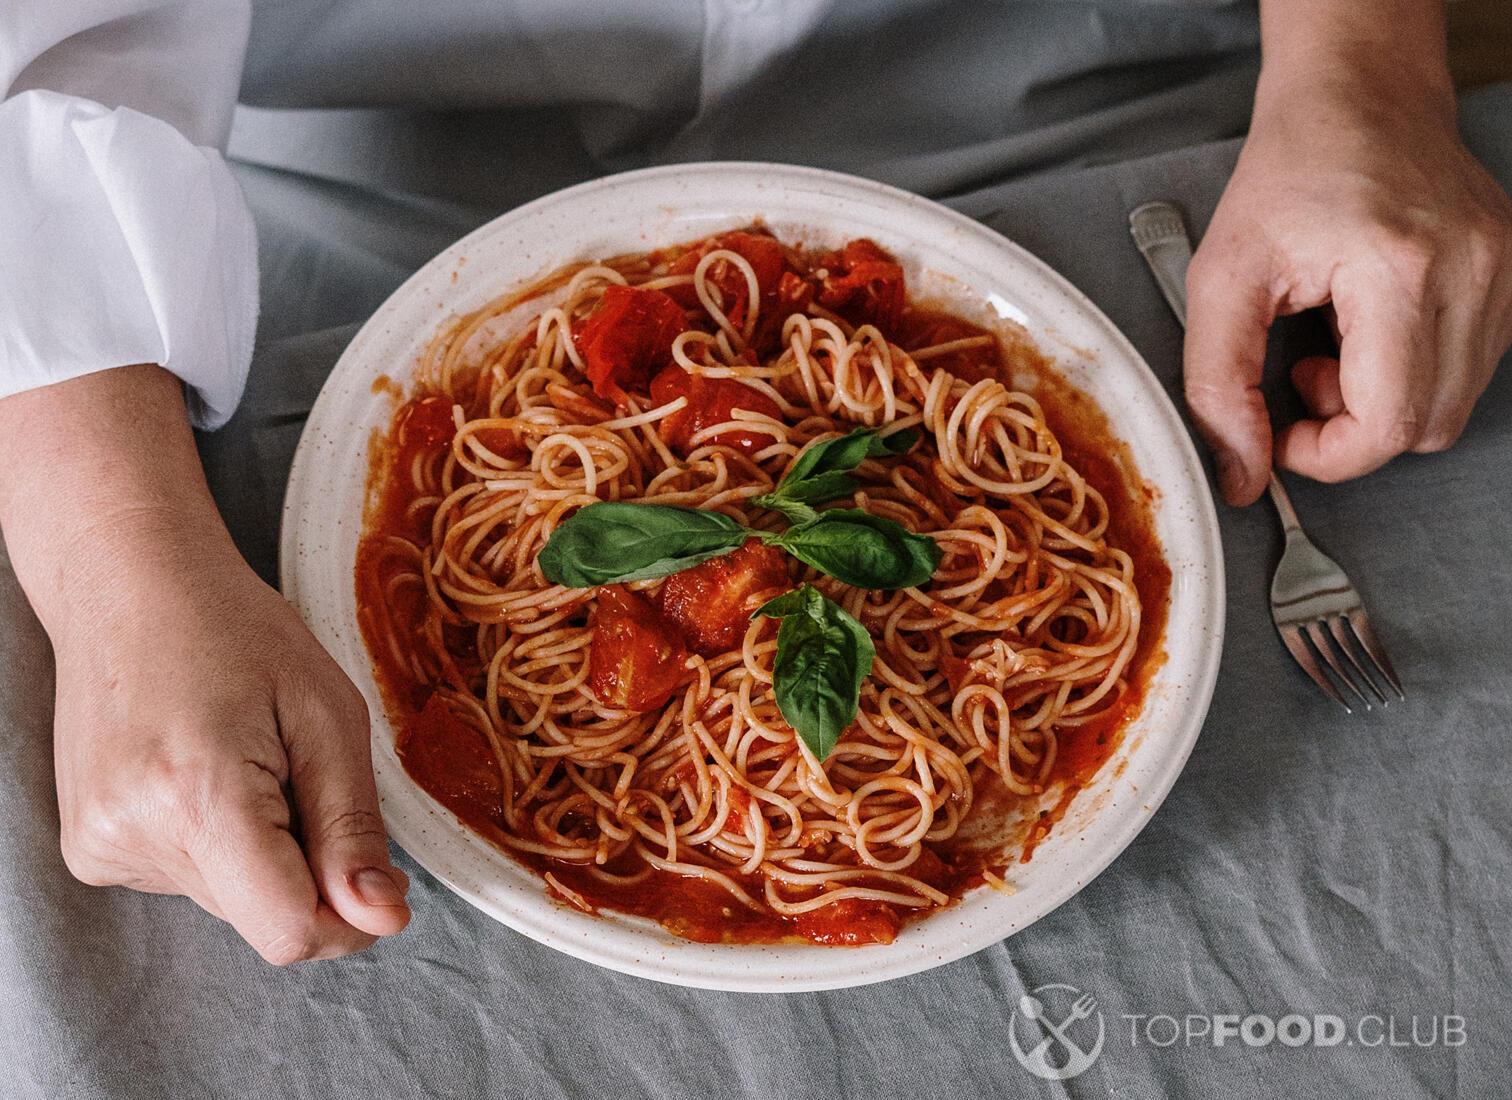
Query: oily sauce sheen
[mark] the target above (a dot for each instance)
(452, 761)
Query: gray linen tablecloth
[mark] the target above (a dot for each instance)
(1306, 862)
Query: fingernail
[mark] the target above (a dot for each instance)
(377, 887)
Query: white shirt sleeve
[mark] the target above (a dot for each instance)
(123, 236)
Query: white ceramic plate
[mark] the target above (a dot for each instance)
(945, 255)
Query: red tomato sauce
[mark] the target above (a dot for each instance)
(711, 401)
(452, 761)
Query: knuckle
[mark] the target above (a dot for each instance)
(106, 823)
(1401, 432)
(1442, 436)
(83, 866)
(1204, 397)
(1434, 442)
(1488, 249)
(173, 797)
(1208, 391)
(1223, 403)
(1409, 255)
(353, 825)
(295, 944)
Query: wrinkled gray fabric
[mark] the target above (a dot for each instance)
(1305, 862)
(497, 101)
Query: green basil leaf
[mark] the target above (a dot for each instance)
(822, 472)
(823, 657)
(613, 542)
(794, 511)
(845, 453)
(863, 550)
(801, 494)
(789, 603)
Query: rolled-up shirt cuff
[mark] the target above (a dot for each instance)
(121, 242)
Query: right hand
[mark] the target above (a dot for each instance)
(204, 742)
(1353, 191)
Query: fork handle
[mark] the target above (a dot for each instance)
(1160, 233)
(1161, 236)
(1282, 500)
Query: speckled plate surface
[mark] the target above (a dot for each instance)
(945, 256)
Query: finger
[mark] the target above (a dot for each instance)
(1229, 313)
(1331, 316)
(1464, 371)
(1387, 360)
(1317, 380)
(255, 872)
(331, 770)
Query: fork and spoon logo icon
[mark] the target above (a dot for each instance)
(1051, 1035)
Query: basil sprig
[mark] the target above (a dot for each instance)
(823, 653)
(609, 543)
(823, 657)
(862, 550)
(823, 472)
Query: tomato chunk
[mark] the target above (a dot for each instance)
(850, 923)
(452, 759)
(863, 284)
(794, 295)
(628, 338)
(762, 252)
(710, 401)
(636, 657)
(713, 601)
(929, 868)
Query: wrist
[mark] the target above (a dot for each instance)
(103, 497)
(1382, 63)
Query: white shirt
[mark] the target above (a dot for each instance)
(123, 237)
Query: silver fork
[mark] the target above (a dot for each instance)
(1312, 600)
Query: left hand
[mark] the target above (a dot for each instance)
(1355, 191)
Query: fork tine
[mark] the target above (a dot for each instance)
(1372, 647)
(1292, 636)
(1340, 631)
(1320, 642)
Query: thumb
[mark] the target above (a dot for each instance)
(1229, 312)
(326, 736)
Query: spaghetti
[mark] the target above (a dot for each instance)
(625, 740)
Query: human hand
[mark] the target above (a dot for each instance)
(190, 699)
(1354, 191)
(204, 742)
